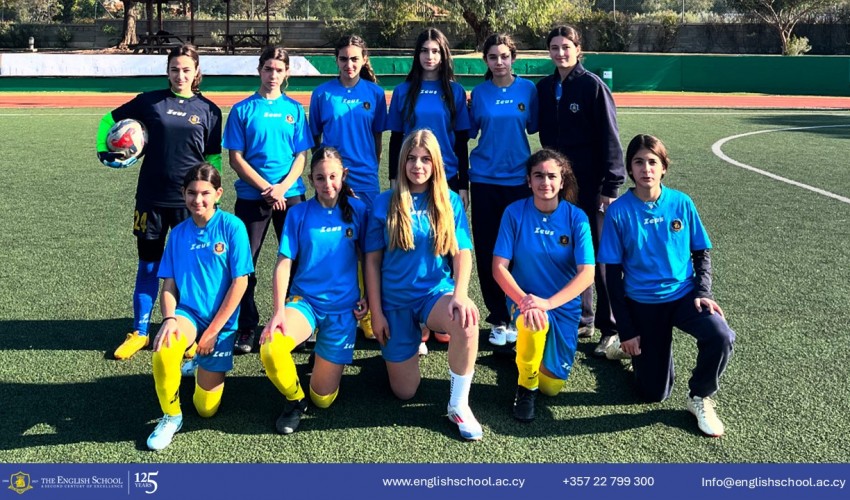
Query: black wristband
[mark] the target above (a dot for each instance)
(168, 318)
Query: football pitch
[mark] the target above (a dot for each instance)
(781, 273)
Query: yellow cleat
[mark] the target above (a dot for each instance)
(191, 351)
(132, 344)
(366, 326)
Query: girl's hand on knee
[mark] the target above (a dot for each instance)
(535, 319)
(466, 310)
(274, 325)
(709, 304)
(167, 331)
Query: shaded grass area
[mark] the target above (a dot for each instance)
(782, 270)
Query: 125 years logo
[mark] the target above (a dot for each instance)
(146, 481)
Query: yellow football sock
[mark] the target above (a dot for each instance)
(529, 353)
(323, 401)
(166, 375)
(551, 386)
(280, 367)
(207, 402)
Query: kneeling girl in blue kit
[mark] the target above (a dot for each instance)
(659, 277)
(414, 230)
(205, 270)
(543, 260)
(325, 234)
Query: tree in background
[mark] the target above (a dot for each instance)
(128, 32)
(783, 16)
(485, 17)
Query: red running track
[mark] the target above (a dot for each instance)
(623, 100)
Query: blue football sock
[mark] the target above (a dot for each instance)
(144, 295)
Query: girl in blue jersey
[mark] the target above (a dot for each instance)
(350, 114)
(326, 231)
(659, 276)
(205, 270)
(577, 117)
(504, 110)
(184, 129)
(414, 229)
(430, 99)
(543, 260)
(267, 138)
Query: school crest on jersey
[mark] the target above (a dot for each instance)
(676, 225)
(349, 233)
(290, 119)
(195, 120)
(521, 107)
(564, 240)
(574, 107)
(292, 299)
(219, 248)
(367, 106)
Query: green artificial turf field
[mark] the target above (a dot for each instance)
(782, 274)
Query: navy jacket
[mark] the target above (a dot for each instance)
(583, 126)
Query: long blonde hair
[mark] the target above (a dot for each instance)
(440, 213)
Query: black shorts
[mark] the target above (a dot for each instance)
(151, 225)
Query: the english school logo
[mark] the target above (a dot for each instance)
(20, 482)
(349, 233)
(367, 106)
(521, 107)
(676, 225)
(290, 119)
(574, 107)
(195, 120)
(564, 240)
(219, 248)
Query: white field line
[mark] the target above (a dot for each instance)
(716, 148)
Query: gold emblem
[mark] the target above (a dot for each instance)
(676, 225)
(195, 120)
(564, 240)
(20, 482)
(367, 106)
(521, 107)
(349, 233)
(290, 119)
(219, 248)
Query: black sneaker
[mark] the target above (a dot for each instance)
(244, 341)
(288, 421)
(524, 404)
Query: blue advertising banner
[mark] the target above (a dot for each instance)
(425, 481)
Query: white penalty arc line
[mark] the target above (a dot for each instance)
(716, 149)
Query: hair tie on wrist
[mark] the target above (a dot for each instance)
(168, 318)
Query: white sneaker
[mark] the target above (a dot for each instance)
(703, 409)
(469, 427)
(189, 368)
(423, 349)
(510, 334)
(499, 335)
(161, 437)
(614, 352)
(604, 343)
